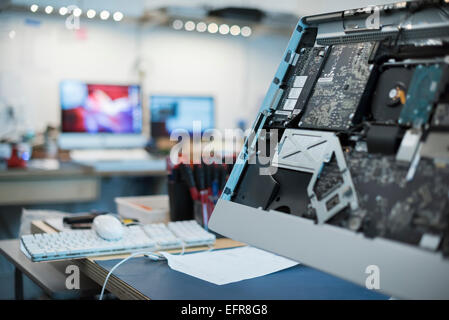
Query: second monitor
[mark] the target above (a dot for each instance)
(169, 113)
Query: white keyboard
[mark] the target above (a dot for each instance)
(178, 234)
(191, 233)
(84, 243)
(165, 239)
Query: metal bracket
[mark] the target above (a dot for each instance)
(308, 151)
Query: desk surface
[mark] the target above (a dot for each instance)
(157, 280)
(118, 287)
(65, 169)
(71, 182)
(127, 282)
(71, 169)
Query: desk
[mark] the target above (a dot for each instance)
(69, 183)
(133, 284)
(116, 286)
(49, 276)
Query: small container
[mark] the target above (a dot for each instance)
(146, 209)
(181, 204)
(198, 216)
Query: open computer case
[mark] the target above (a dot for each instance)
(347, 165)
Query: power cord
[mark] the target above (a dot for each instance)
(149, 254)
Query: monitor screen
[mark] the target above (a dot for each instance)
(100, 108)
(169, 113)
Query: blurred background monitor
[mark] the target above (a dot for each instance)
(179, 112)
(100, 115)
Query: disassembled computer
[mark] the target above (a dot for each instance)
(356, 128)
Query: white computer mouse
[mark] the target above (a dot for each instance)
(108, 227)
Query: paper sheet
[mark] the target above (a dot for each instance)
(230, 265)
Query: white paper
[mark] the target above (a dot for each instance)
(230, 265)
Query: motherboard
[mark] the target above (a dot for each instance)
(339, 88)
(363, 141)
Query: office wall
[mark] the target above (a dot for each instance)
(235, 70)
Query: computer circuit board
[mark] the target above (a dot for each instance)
(339, 88)
(381, 110)
(394, 207)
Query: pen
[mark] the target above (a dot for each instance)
(187, 175)
(215, 181)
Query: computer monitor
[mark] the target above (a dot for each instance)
(169, 113)
(100, 115)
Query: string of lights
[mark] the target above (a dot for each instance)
(77, 12)
(212, 27)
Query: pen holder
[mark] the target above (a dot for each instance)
(181, 204)
(198, 215)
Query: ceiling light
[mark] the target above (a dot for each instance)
(91, 13)
(34, 7)
(117, 16)
(12, 34)
(235, 30)
(63, 11)
(224, 29)
(48, 9)
(104, 15)
(77, 12)
(177, 24)
(189, 26)
(201, 27)
(246, 31)
(212, 28)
